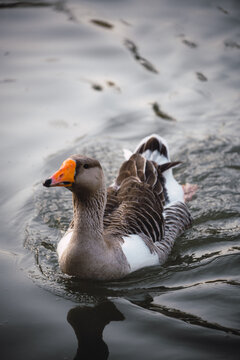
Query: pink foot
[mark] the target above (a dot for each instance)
(189, 190)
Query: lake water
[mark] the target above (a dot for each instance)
(95, 77)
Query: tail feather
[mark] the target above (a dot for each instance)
(155, 148)
(169, 165)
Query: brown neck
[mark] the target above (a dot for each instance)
(88, 215)
(90, 255)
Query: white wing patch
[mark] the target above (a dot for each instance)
(137, 253)
(63, 243)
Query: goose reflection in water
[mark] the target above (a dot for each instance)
(88, 324)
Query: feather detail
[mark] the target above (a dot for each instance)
(177, 219)
(130, 225)
(154, 148)
(142, 206)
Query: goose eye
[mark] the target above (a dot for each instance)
(86, 166)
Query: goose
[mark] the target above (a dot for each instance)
(130, 225)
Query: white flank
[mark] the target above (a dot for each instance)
(137, 253)
(174, 189)
(63, 243)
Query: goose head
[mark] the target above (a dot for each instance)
(79, 174)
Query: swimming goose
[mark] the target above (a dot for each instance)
(132, 224)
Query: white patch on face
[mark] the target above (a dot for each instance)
(137, 253)
(63, 243)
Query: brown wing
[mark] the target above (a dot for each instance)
(135, 204)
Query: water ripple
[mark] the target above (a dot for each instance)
(207, 253)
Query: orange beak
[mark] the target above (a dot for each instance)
(64, 176)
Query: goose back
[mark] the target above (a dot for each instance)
(135, 201)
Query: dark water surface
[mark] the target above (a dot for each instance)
(95, 77)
